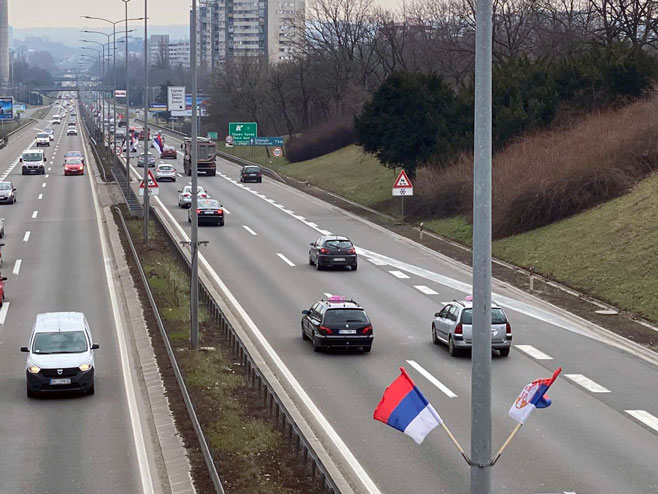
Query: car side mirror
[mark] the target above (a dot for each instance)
(20, 160)
(305, 312)
(24, 349)
(45, 159)
(95, 346)
(312, 244)
(4, 278)
(436, 314)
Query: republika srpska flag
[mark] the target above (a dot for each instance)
(404, 408)
(531, 397)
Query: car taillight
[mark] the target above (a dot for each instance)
(458, 329)
(367, 329)
(219, 211)
(324, 251)
(198, 211)
(351, 250)
(508, 328)
(325, 329)
(186, 195)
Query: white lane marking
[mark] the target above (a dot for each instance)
(40, 196)
(645, 417)
(34, 214)
(376, 262)
(285, 259)
(249, 230)
(348, 456)
(26, 237)
(50, 167)
(399, 275)
(181, 176)
(43, 184)
(126, 370)
(325, 232)
(226, 210)
(50, 164)
(311, 224)
(3, 312)
(445, 389)
(533, 352)
(47, 175)
(587, 383)
(425, 289)
(17, 266)
(328, 295)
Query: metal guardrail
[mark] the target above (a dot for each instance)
(205, 450)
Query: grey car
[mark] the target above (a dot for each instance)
(185, 195)
(453, 326)
(151, 160)
(7, 192)
(333, 250)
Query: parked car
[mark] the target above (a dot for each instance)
(337, 322)
(169, 152)
(165, 171)
(251, 173)
(60, 354)
(453, 326)
(208, 211)
(185, 195)
(7, 192)
(333, 250)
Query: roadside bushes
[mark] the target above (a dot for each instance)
(321, 140)
(552, 174)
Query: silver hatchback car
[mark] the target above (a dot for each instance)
(453, 326)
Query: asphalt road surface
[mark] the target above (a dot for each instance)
(53, 262)
(599, 436)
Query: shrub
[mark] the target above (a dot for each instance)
(321, 140)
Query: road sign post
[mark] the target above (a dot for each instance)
(402, 187)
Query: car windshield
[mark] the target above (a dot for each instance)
(497, 316)
(251, 169)
(210, 204)
(338, 244)
(42, 136)
(5, 186)
(73, 161)
(73, 153)
(199, 189)
(60, 342)
(165, 168)
(334, 316)
(32, 156)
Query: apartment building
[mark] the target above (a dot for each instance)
(179, 54)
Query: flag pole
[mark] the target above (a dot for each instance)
(502, 448)
(456, 443)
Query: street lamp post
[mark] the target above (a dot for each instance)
(102, 96)
(194, 240)
(146, 126)
(125, 2)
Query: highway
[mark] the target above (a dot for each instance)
(599, 436)
(54, 262)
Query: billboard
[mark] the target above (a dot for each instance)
(19, 108)
(176, 98)
(6, 108)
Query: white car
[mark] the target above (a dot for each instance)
(50, 132)
(72, 130)
(165, 171)
(60, 354)
(185, 195)
(42, 139)
(56, 120)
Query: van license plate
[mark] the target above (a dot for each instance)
(60, 381)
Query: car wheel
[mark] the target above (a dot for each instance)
(366, 349)
(304, 336)
(435, 339)
(189, 220)
(316, 346)
(91, 390)
(504, 352)
(260, 180)
(30, 393)
(14, 199)
(221, 223)
(452, 349)
(317, 265)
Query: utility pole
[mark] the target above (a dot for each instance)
(125, 2)
(481, 353)
(194, 276)
(146, 126)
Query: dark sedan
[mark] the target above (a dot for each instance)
(151, 160)
(329, 251)
(251, 173)
(209, 211)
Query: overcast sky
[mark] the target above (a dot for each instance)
(65, 13)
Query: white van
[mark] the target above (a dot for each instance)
(33, 161)
(60, 354)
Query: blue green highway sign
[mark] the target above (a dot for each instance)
(266, 141)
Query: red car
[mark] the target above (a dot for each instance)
(2, 289)
(74, 166)
(169, 152)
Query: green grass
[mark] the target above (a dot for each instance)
(455, 228)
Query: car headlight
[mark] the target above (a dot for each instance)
(33, 369)
(85, 367)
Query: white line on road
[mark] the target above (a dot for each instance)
(181, 176)
(376, 262)
(533, 352)
(17, 266)
(3, 312)
(50, 167)
(425, 289)
(399, 274)
(587, 383)
(226, 211)
(40, 196)
(43, 184)
(34, 214)
(325, 232)
(645, 417)
(249, 230)
(285, 259)
(448, 392)
(328, 295)
(50, 164)
(47, 175)
(26, 237)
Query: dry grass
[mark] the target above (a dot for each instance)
(553, 174)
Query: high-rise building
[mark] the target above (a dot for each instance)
(179, 54)
(159, 49)
(229, 29)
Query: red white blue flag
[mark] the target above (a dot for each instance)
(532, 396)
(404, 408)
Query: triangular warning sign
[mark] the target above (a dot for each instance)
(402, 182)
(152, 183)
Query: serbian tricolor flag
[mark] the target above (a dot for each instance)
(404, 408)
(531, 397)
(157, 143)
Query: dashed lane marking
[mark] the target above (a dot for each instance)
(399, 274)
(40, 196)
(43, 184)
(17, 266)
(445, 389)
(425, 289)
(587, 383)
(285, 259)
(34, 214)
(249, 230)
(533, 352)
(645, 417)
(26, 237)
(3, 312)
(376, 262)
